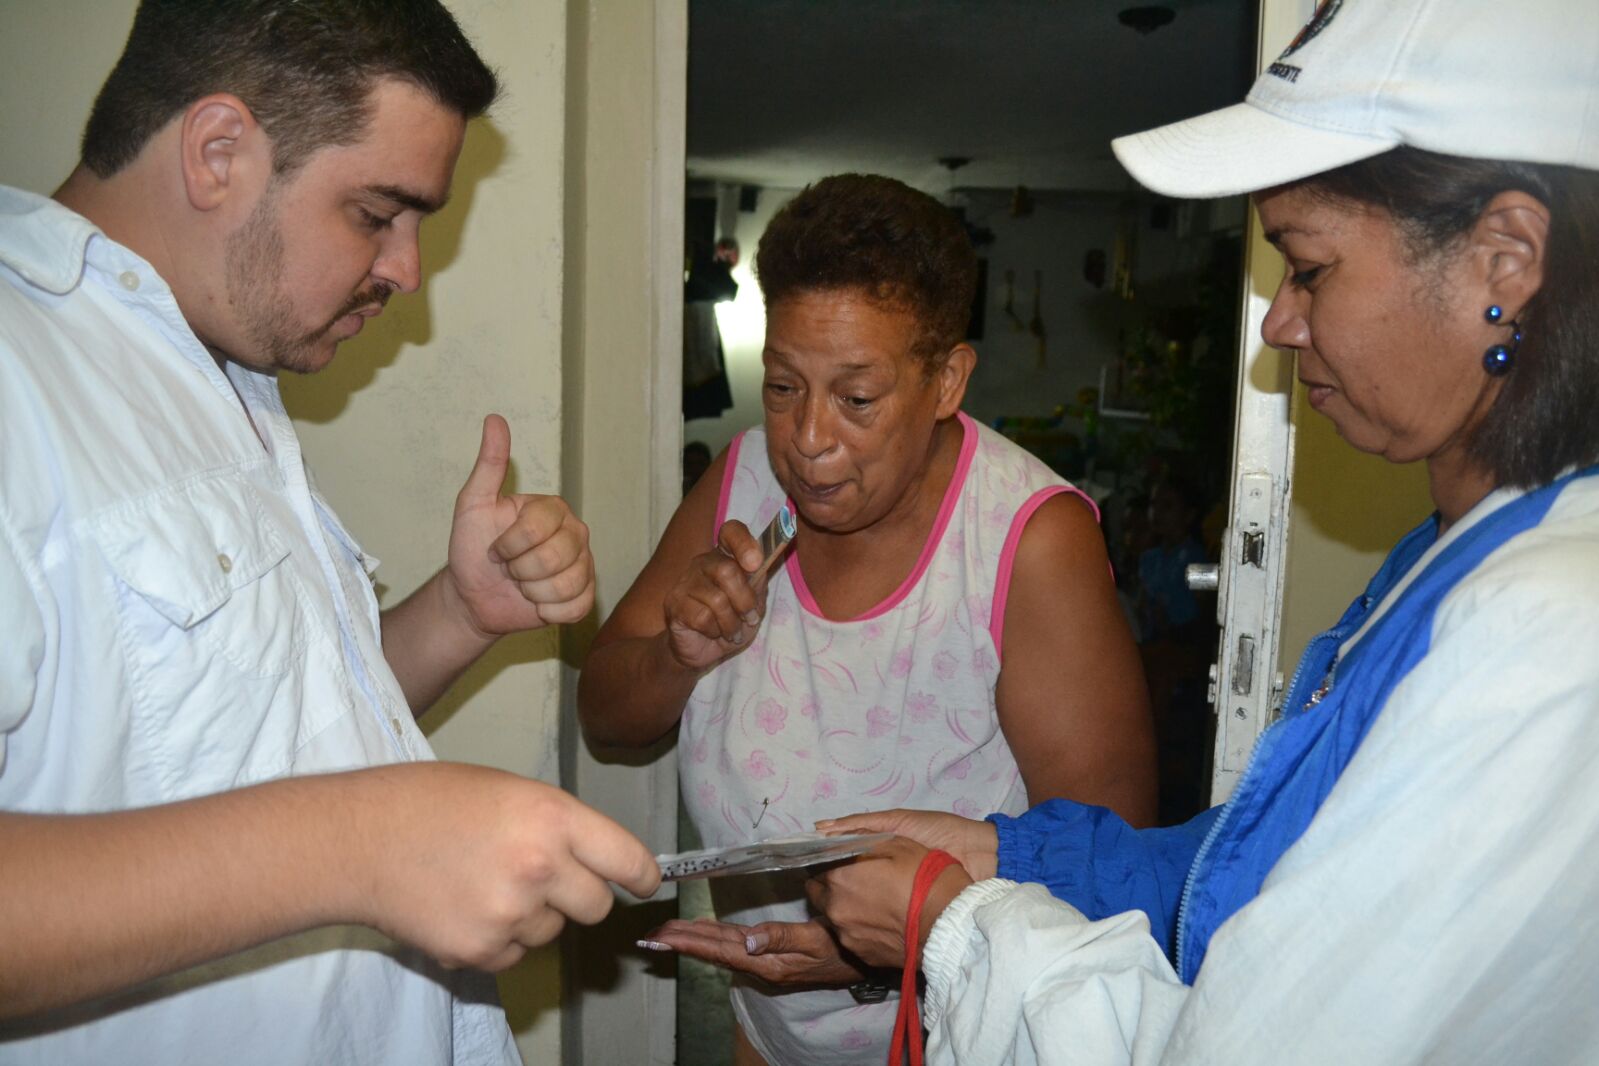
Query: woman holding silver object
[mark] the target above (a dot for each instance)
(942, 633)
(1406, 871)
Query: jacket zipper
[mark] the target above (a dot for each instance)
(1227, 810)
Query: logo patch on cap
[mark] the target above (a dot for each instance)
(1318, 22)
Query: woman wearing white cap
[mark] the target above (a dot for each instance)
(1409, 869)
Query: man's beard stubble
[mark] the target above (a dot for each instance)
(253, 266)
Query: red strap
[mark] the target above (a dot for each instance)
(908, 1023)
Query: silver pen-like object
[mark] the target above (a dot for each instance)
(774, 538)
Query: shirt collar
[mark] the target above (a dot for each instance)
(42, 241)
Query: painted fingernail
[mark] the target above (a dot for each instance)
(756, 943)
(653, 945)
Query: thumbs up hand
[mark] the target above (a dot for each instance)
(516, 562)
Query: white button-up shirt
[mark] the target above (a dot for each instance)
(181, 613)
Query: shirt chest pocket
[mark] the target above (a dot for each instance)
(205, 583)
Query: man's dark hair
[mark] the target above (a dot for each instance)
(878, 237)
(305, 68)
(1543, 420)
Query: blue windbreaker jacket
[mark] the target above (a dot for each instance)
(1189, 879)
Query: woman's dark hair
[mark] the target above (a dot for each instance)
(1543, 420)
(305, 68)
(872, 235)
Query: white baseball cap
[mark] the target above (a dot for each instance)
(1487, 79)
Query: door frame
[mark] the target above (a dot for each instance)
(1245, 682)
(626, 152)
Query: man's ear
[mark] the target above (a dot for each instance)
(219, 142)
(953, 374)
(1510, 244)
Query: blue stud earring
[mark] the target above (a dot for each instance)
(1498, 360)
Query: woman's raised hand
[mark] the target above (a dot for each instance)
(714, 611)
(975, 845)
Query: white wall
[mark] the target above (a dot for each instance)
(53, 57)
(392, 427)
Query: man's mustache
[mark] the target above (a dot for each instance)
(378, 294)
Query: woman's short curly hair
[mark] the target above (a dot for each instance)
(867, 234)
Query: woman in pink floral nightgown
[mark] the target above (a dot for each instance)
(944, 633)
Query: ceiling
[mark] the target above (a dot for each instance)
(782, 92)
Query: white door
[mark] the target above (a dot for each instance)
(1246, 684)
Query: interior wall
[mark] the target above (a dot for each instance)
(53, 58)
(1080, 320)
(1011, 380)
(392, 427)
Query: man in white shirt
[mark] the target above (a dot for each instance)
(215, 805)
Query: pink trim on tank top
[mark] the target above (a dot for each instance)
(1007, 557)
(952, 493)
(728, 473)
